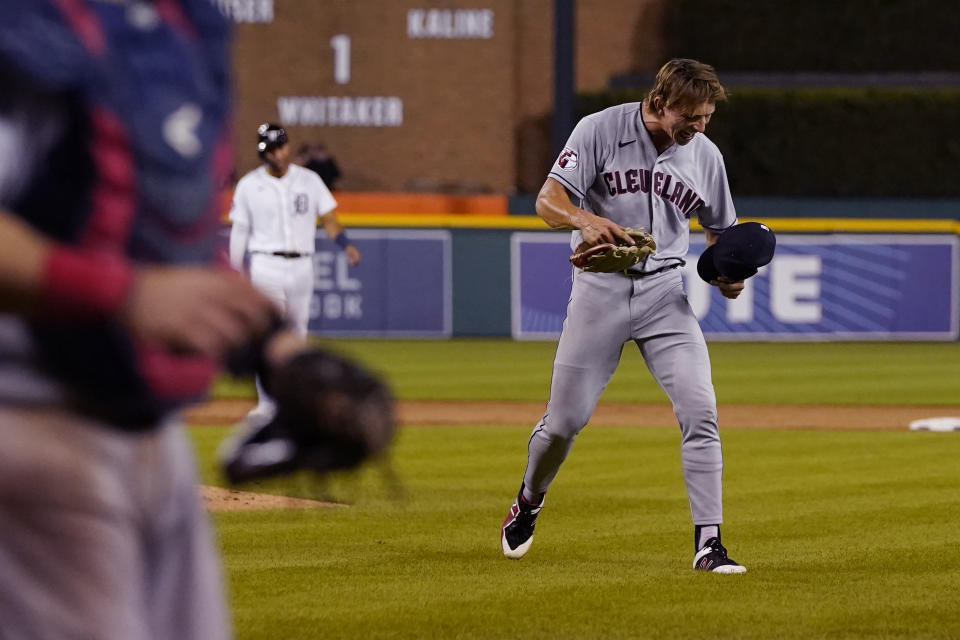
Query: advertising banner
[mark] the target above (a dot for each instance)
(402, 287)
(822, 287)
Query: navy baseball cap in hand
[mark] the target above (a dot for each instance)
(738, 253)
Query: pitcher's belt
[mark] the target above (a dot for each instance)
(643, 274)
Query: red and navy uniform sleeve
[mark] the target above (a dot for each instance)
(115, 190)
(39, 41)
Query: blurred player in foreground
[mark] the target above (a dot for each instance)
(114, 137)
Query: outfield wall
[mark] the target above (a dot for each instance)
(438, 275)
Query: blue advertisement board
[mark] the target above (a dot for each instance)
(402, 287)
(822, 287)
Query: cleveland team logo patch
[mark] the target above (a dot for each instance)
(568, 159)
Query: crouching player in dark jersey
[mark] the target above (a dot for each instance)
(112, 316)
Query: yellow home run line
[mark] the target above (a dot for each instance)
(895, 225)
(456, 220)
(806, 225)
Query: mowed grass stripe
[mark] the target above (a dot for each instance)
(901, 373)
(846, 535)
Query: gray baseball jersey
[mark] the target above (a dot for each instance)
(611, 164)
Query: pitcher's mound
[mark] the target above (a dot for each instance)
(220, 499)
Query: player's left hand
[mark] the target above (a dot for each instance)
(353, 255)
(729, 288)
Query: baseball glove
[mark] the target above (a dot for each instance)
(610, 258)
(331, 414)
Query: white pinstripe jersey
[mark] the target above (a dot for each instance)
(611, 165)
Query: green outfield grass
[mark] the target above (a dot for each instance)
(895, 373)
(845, 534)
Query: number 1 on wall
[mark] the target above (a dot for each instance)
(341, 58)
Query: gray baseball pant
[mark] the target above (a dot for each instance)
(606, 311)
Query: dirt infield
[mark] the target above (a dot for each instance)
(622, 415)
(225, 412)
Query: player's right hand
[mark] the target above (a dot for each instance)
(598, 230)
(729, 288)
(196, 310)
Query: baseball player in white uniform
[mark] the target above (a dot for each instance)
(274, 215)
(637, 165)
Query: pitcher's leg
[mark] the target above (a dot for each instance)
(589, 350)
(677, 357)
(596, 327)
(574, 392)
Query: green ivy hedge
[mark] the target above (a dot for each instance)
(816, 35)
(832, 142)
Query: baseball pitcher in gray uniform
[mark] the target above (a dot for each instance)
(646, 165)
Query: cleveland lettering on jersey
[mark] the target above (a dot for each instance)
(663, 184)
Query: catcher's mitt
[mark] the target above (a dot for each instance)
(331, 414)
(610, 258)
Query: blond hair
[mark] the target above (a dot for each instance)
(682, 82)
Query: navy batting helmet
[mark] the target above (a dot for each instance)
(269, 137)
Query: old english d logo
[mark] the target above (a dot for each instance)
(300, 203)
